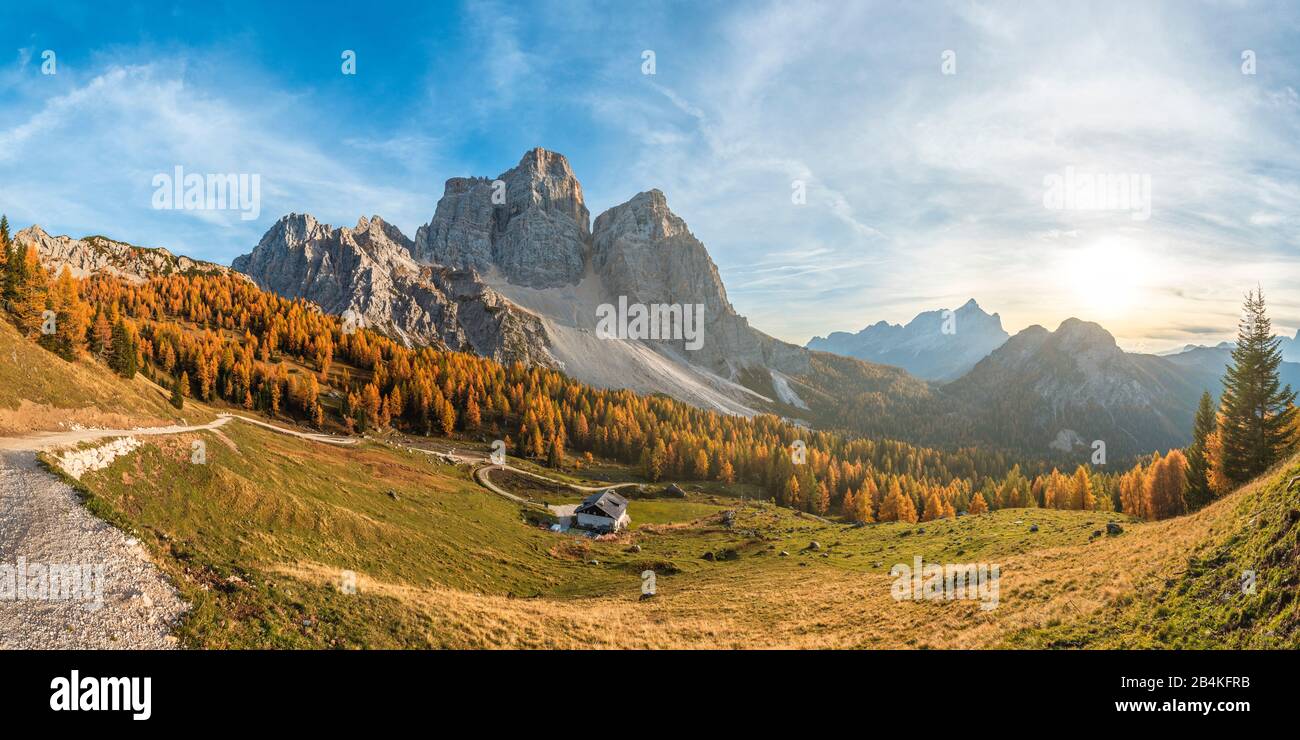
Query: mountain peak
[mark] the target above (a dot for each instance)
(31, 232)
(927, 346)
(545, 160)
(1089, 332)
(533, 227)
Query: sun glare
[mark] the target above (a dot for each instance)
(1106, 278)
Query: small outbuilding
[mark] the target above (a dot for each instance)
(605, 511)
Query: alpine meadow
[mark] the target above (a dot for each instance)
(984, 334)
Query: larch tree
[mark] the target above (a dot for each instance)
(1164, 486)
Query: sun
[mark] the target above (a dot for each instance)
(1106, 278)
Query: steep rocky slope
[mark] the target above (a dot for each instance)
(526, 231)
(101, 255)
(369, 270)
(1045, 390)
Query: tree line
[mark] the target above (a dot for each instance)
(221, 338)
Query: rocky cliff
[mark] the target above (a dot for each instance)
(530, 223)
(369, 270)
(95, 255)
(642, 250)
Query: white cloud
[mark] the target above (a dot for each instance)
(924, 185)
(83, 161)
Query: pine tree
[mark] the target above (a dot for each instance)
(1257, 411)
(897, 506)
(933, 508)
(102, 335)
(726, 473)
(790, 494)
(701, 465)
(123, 359)
(555, 453)
(178, 393)
(822, 501)
(30, 286)
(6, 257)
(977, 505)
(1198, 492)
(1082, 497)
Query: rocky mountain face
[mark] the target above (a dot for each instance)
(530, 223)
(95, 255)
(929, 346)
(527, 233)
(1042, 389)
(369, 270)
(642, 250)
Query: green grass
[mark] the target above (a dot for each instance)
(1204, 605)
(238, 534)
(28, 372)
(226, 530)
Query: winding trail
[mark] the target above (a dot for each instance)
(482, 465)
(38, 441)
(481, 477)
(118, 599)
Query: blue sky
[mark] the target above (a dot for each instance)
(923, 188)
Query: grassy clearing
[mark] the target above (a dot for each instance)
(40, 391)
(1201, 603)
(258, 540)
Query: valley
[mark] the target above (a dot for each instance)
(261, 540)
(305, 449)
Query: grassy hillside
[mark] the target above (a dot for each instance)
(258, 540)
(40, 391)
(1205, 601)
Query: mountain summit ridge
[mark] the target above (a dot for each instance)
(934, 345)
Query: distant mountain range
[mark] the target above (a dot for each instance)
(98, 254)
(1050, 392)
(936, 345)
(1064, 389)
(1290, 347)
(513, 268)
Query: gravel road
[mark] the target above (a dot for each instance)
(42, 522)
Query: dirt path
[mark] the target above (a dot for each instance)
(118, 599)
(481, 477)
(48, 440)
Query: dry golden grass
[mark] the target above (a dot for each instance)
(818, 606)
